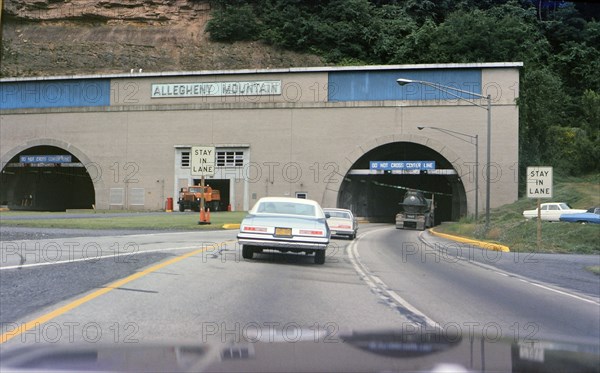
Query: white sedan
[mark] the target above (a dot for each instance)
(551, 211)
(341, 222)
(285, 224)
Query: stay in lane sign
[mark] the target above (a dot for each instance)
(539, 182)
(203, 161)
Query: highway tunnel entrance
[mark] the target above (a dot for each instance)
(46, 178)
(376, 195)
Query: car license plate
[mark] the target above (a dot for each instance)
(410, 216)
(287, 232)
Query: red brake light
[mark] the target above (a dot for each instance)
(311, 232)
(254, 229)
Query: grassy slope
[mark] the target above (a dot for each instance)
(508, 226)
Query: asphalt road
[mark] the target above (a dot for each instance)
(203, 290)
(459, 293)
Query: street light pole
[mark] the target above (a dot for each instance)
(451, 91)
(471, 137)
(488, 166)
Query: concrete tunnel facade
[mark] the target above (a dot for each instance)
(123, 141)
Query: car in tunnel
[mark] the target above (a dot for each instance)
(285, 224)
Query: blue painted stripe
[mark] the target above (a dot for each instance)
(55, 93)
(381, 85)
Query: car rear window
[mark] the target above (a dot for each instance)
(287, 208)
(339, 214)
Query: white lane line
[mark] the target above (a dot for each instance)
(175, 233)
(124, 236)
(563, 293)
(515, 276)
(378, 286)
(113, 255)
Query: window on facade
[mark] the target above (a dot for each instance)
(230, 159)
(185, 159)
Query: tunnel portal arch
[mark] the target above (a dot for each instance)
(377, 196)
(44, 176)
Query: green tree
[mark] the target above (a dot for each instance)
(233, 22)
(572, 151)
(345, 29)
(503, 33)
(590, 105)
(542, 100)
(416, 46)
(392, 28)
(579, 64)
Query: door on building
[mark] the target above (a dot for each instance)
(222, 186)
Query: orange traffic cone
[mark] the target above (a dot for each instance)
(204, 217)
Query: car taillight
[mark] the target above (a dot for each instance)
(247, 228)
(311, 232)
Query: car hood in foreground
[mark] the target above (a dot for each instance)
(310, 350)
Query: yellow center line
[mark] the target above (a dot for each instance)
(76, 303)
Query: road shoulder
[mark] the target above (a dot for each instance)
(481, 244)
(565, 271)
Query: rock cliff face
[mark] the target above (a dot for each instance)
(107, 10)
(58, 37)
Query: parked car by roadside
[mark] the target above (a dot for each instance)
(592, 215)
(551, 211)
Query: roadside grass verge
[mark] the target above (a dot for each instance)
(160, 221)
(508, 227)
(72, 211)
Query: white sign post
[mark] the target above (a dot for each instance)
(539, 185)
(203, 164)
